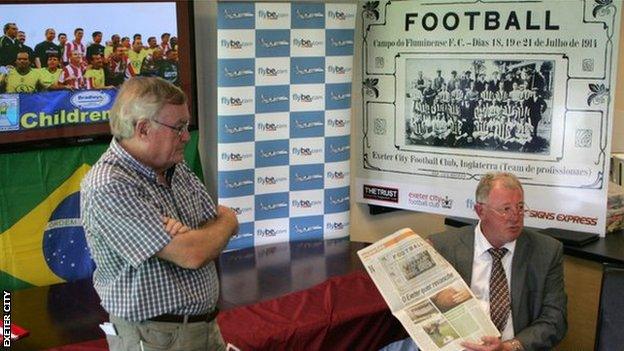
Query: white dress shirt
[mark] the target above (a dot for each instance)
(481, 270)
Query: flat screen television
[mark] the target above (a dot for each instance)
(55, 117)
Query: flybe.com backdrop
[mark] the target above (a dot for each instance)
(284, 106)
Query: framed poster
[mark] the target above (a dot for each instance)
(452, 90)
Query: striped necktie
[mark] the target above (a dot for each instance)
(500, 300)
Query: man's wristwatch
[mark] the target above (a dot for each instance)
(515, 345)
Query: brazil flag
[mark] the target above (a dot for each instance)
(41, 239)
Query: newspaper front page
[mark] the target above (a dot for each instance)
(425, 293)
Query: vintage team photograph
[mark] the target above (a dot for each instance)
(483, 104)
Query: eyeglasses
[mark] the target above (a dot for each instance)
(509, 211)
(180, 130)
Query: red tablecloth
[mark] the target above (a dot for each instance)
(343, 313)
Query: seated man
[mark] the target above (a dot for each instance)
(518, 271)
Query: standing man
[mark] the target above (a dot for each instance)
(516, 273)
(152, 45)
(9, 45)
(164, 43)
(96, 48)
(46, 48)
(137, 55)
(114, 42)
(119, 67)
(536, 107)
(62, 39)
(76, 46)
(21, 46)
(153, 230)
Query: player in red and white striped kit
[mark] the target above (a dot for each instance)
(72, 75)
(76, 45)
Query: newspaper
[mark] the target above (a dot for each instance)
(425, 293)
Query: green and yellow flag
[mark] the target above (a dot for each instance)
(41, 239)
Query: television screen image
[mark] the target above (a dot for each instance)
(61, 65)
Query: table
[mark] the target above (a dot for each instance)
(70, 313)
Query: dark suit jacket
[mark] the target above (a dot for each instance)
(538, 299)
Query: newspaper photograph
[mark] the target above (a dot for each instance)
(425, 293)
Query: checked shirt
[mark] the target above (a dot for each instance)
(122, 205)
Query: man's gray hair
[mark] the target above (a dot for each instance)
(141, 98)
(508, 180)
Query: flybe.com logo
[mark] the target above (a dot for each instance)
(241, 210)
(305, 151)
(235, 44)
(307, 43)
(235, 156)
(306, 97)
(270, 232)
(270, 180)
(335, 69)
(271, 15)
(271, 127)
(235, 101)
(336, 225)
(339, 15)
(338, 175)
(305, 203)
(271, 71)
(337, 122)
